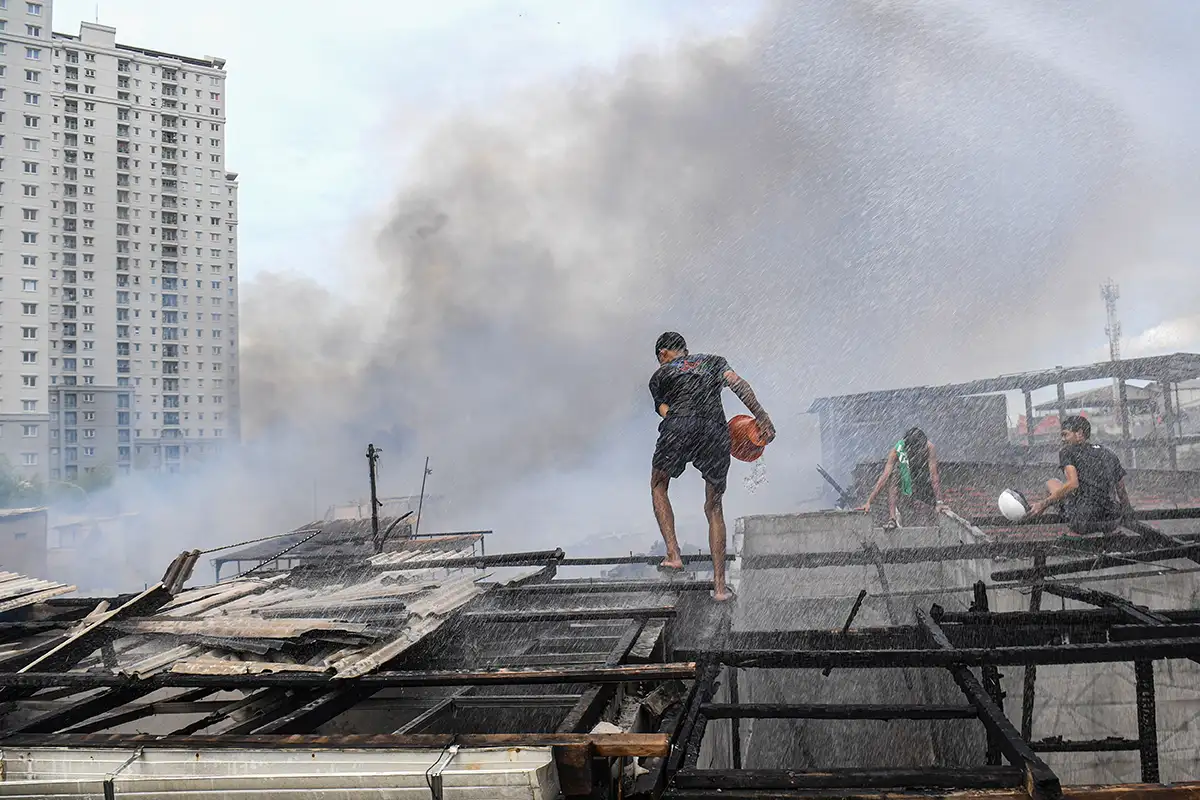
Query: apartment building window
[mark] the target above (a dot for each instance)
(29, 309)
(33, 9)
(29, 333)
(29, 431)
(33, 99)
(30, 167)
(89, 452)
(29, 237)
(29, 214)
(28, 356)
(33, 30)
(32, 145)
(33, 53)
(29, 381)
(33, 76)
(29, 459)
(29, 405)
(29, 189)
(28, 285)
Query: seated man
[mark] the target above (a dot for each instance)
(912, 469)
(1093, 496)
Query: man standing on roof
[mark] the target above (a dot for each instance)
(1093, 496)
(687, 394)
(912, 470)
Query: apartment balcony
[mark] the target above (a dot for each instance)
(71, 156)
(170, 251)
(169, 138)
(169, 91)
(170, 368)
(170, 122)
(170, 202)
(170, 186)
(122, 147)
(170, 235)
(170, 170)
(170, 154)
(169, 103)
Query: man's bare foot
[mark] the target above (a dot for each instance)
(671, 563)
(724, 596)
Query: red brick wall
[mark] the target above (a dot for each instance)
(971, 489)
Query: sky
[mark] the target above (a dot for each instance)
(897, 191)
(322, 115)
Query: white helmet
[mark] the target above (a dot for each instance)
(1013, 505)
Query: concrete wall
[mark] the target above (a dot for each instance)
(790, 599)
(1076, 702)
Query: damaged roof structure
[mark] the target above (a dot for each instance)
(434, 670)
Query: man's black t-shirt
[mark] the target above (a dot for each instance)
(1099, 472)
(691, 386)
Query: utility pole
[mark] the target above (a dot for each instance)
(372, 459)
(421, 501)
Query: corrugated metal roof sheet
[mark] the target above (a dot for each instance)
(356, 620)
(17, 591)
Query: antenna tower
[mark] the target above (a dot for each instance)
(1111, 293)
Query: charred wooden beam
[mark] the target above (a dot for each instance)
(1147, 722)
(377, 680)
(835, 711)
(1039, 780)
(605, 745)
(825, 779)
(957, 552)
(1098, 562)
(1072, 617)
(586, 713)
(975, 656)
(1129, 791)
(185, 703)
(1113, 744)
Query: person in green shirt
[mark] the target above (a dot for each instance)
(911, 472)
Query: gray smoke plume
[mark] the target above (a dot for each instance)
(850, 195)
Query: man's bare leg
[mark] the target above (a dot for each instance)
(659, 483)
(893, 497)
(714, 509)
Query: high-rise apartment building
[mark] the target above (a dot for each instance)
(118, 253)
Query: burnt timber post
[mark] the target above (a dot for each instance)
(1169, 424)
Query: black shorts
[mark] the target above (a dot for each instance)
(1085, 518)
(701, 442)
